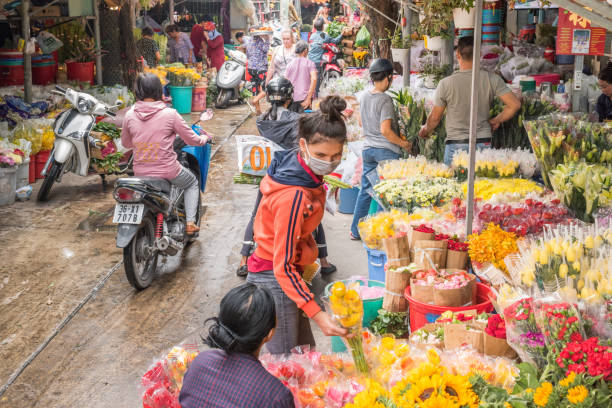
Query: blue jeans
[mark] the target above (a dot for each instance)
(451, 149)
(371, 157)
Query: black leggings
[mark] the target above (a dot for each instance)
(248, 243)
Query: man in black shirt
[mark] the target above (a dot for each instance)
(604, 103)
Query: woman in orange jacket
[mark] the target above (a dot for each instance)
(291, 209)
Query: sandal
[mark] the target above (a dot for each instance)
(242, 271)
(354, 238)
(328, 270)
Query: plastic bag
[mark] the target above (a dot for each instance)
(48, 42)
(363, 37)
(255, 154)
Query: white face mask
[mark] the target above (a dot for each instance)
(320, 167)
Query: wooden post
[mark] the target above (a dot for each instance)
(27, 58)
(406, 32)
(96, 7)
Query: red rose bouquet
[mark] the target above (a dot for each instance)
(496, 326)
(425, 229)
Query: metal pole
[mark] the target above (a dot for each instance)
(406, 31)
(27, 58)
(474, 115)
(96, 8)
(284, 13)
(171, 11)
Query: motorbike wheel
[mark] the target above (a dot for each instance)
(139, 266)
(330, 76)
(52, 175)
(223, 99)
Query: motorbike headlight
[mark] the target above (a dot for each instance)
(85, 105)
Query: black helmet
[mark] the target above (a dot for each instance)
(279, 89)
(381, 65)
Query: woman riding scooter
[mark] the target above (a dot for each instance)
(280, 125)
(150, 128)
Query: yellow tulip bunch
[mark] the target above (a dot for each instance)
(486, 188)
(347, 307)
(384, 225)
(386, 354)
(581, 266)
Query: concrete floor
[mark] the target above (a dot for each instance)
(54, 254)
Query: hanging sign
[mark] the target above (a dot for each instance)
(531, 4)
(576, 36)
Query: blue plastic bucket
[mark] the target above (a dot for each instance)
(466, 32)
(493, 37)
(376, 264)
(490, 29)
(370, 311)
(181, 98)
(373, 207)
(348, 199)
(202, 154)
(491, 16)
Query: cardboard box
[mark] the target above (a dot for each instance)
(494, 346)
(459, 335)
(429, 327)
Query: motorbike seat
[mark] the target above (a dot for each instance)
(159, 184)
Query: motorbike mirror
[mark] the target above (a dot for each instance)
(206, 115)
(119, 103)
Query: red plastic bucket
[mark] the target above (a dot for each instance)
(41, 160)
(32, 169)
(423, 313)
(80, 71)
(11, 75)
(198, 99)
(44, 74)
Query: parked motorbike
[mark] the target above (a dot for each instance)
(230, 79)
(151, 214)
(73, 139)
(332, 69)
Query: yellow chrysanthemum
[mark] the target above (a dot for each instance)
(577, 394)
(569, 380)
(540, 397)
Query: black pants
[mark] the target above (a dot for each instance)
(248, 243)
(320, 70)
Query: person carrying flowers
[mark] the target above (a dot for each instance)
(291, 208)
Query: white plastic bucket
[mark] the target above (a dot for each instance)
(433, 43)
(398, 54)
(464, 19)
(23, 174)
(7, 185)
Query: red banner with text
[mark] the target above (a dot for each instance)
(576, 36)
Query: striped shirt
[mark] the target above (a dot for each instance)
(217, 379)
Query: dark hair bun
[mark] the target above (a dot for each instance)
(332, 107)
(220, 336)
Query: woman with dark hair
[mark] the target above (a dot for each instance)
(149, 128)
(604, 103)
(291, 208)
(231, 374)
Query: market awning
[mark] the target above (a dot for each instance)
(598, 12)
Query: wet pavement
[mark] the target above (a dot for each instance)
(55, 254)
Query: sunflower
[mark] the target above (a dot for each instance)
(569, 380)
(438, 401)
(458, 387)
(577, 394)
(540, 397)
(371, 397)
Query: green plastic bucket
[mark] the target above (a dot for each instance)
(370, 310)
(181, 98)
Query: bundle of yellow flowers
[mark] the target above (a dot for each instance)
(160, 72)
(486, 188)
(178, 76)
(492, 245)
(427, 386)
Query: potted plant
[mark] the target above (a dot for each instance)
(180, 83)
(400, 46)
(432, 74)
(435, 29)
(9, 160)
(464, 13)
(80, 55)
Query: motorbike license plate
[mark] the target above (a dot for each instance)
(128, 213)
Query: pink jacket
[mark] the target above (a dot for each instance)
(149, 129)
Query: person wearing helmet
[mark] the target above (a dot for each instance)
(381, 131)
(280, 124)
(323, 13)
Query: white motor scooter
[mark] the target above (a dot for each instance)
(230, 79)
(73, 141)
